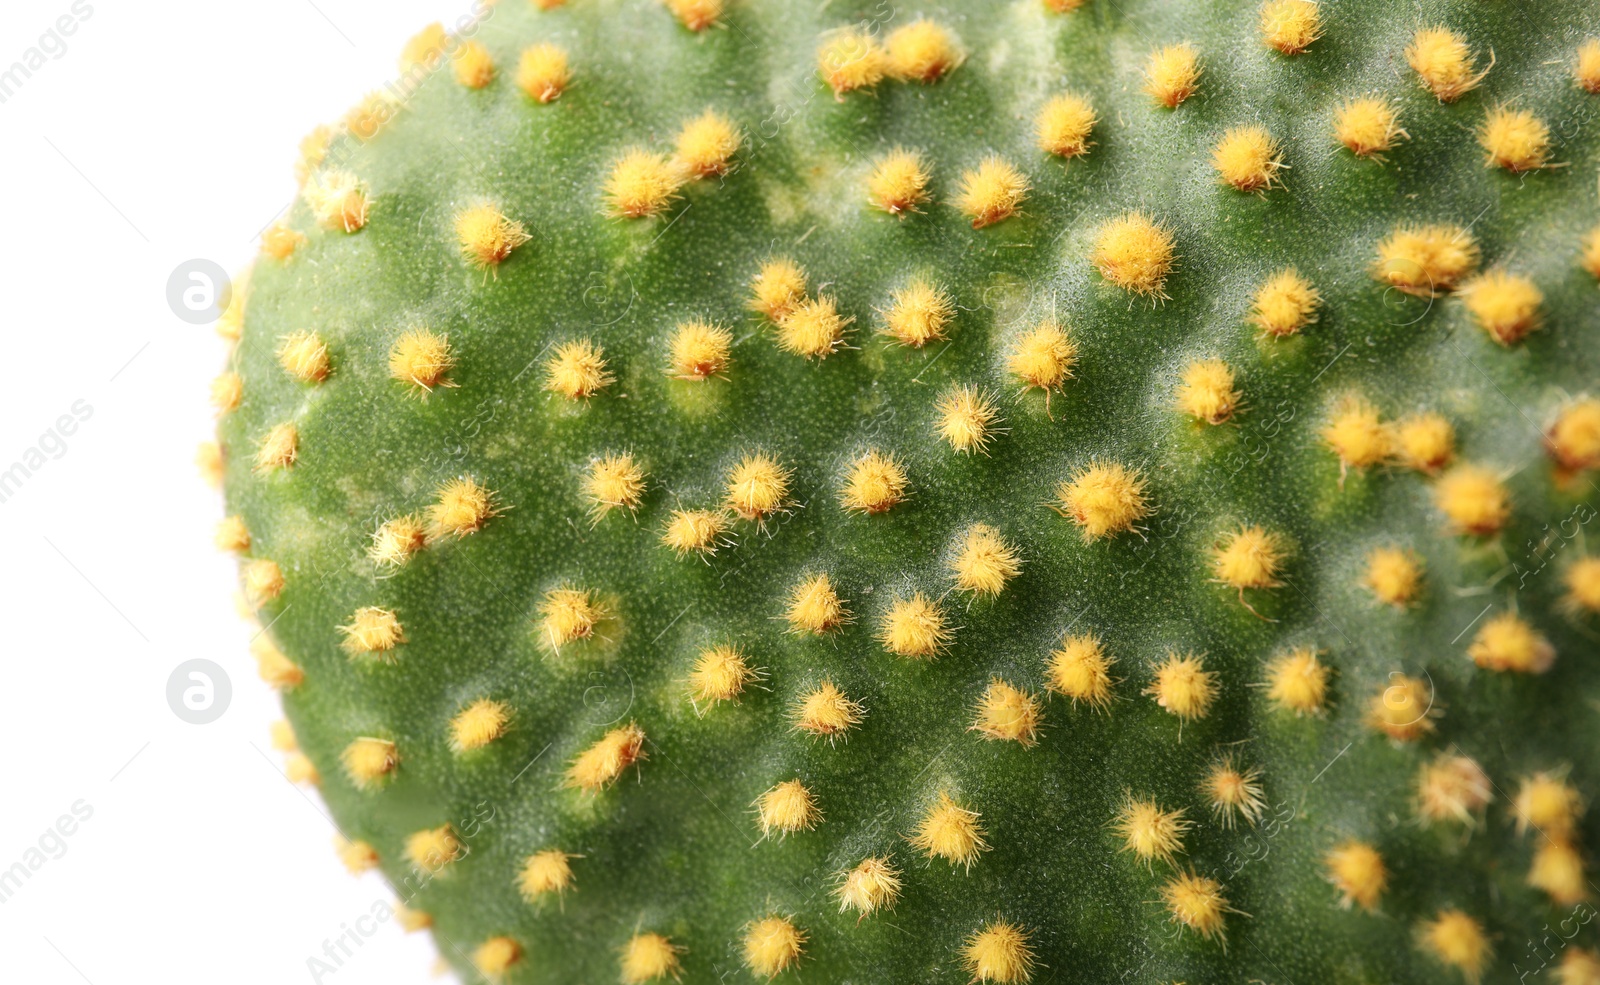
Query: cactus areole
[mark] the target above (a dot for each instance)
(1044, 490)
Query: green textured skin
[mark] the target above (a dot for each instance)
(673, 846)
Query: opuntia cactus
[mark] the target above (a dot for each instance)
(984, 491)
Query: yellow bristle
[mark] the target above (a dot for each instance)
(424, 50)
(877, 483)
(813, 328)
(1357, 435)
(577, 370)
(614, 482)
(367, 761)
(298, 768)
(1426, 260)
(1586, 70)
(230, 324)
(542, 72)
(396, 540)
(696, 531)
(951, 832)
(706, 145)
(1514, 139)
(787, 808)
(1297, 681)
(358, 856)
(1043, 358)
(1548, 805)
(826, 711)
(283, 737)
(1367, 126)
(1284, 304)
(461, 507)
(772, 946)
(1574, 438)
(1233, 792)
(921, 51)
(1172, 74)
(602, 763)
(472, 65)
(1249, 557)
(1247, 158)
(991, 193)
(897, 185)
(919, 313)
(421, 358)
(1452, 788)
(914, 627)
(720, 673)
(486, 237)
(495, 956)
(874, 884)
(372, 630)
(1443, 63)
(777, 288)
(850, 59)
(338, 200)
(1403, 708)
(1582, 581)
(1425, 442)
(479, 724)
(814, 607)
(1393, 575)
(567, 615)
(545, 872)
(1579, 965)
(1504, 305)
(1103, 498)
(1458, 941)
(232, 535)
(1357, 871)
(431, 849)
(696, 15)
(651, 957)
(280, 241)
(1007, 714)
(304, 356)
(273, 667)
(1290, 26)
(263, 580)
(1473, 500)
(757, 487)
(985, 561)
(1206, 391)
(1183, 687)
(1134, 253)
(1000, 952)
(641, 184)
(1557, 871)
(967, 418)
(1064, 124)
(1148, 831)
(1080, 669)
(1507, 643)
(1196, 902)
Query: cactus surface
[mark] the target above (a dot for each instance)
(983, 491)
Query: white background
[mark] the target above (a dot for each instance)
(166, 131)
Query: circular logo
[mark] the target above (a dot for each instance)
(198, 691)
(198, 291)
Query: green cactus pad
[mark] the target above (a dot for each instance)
(1027, 409)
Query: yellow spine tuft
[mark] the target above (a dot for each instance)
(1579, 966)
(813, 328)
(1134, 253)
(991, 193)
(338, 200)
(1183, 687)
(1507, 643)
(1148, 831)
(425, 49)
(304, 356)
(1284, 304)
(706, 145)
(1290, 26)
(567, 615)
(372, 630)
(1172, 74)
(1103, 498)
(1043, 358)
(787, 808)
(545, 872)
(396, 540)
(921, 51)
(721, 673)
(1586, 69)
(577, 370)
(232, 535)
(1367, 126)
(1459, 941)
(1196, 902)
(1514, 139)
(1403, 709)
(758, 487)
(1297, 681)
(283, 737)
(461, 507)
(542, 72)
(1249, 557)
(1233, 792)
(598, 766)
(1357, 871)
(1452, 788)
(358, 856)
(1547, 804)
(641, 185)
(1008, 714)
(898, 183)
(614, 482)
(486, 237)
(1473, 500)
(777, 289)
(368, 761)
(914, 627)
(696, 531)
(1080, 669)
(876, 484)
(919, 313)
(825, 711)
(298, 768)
(1557, 871)
(1443, 63)
(951, 832)
(984, 562)
(472, 65)
(421, 358)
(1425, 442)
(850, 59)
(1248, 159)
(967, 418)
(1426, 260)
(696, 15)
(1064, 125)
(815, 607)
(431, 849)
(1582, 581)
(1358, 435)
(263, 580)
(1574, 438)
(1000, 952)
(873, 885)
(1393, 575)
(1503, 304)
(496, 956)
(479, 724)
(276, 669)
(651, 957)
(1206, 391)
(280, 241)
(772, 946)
